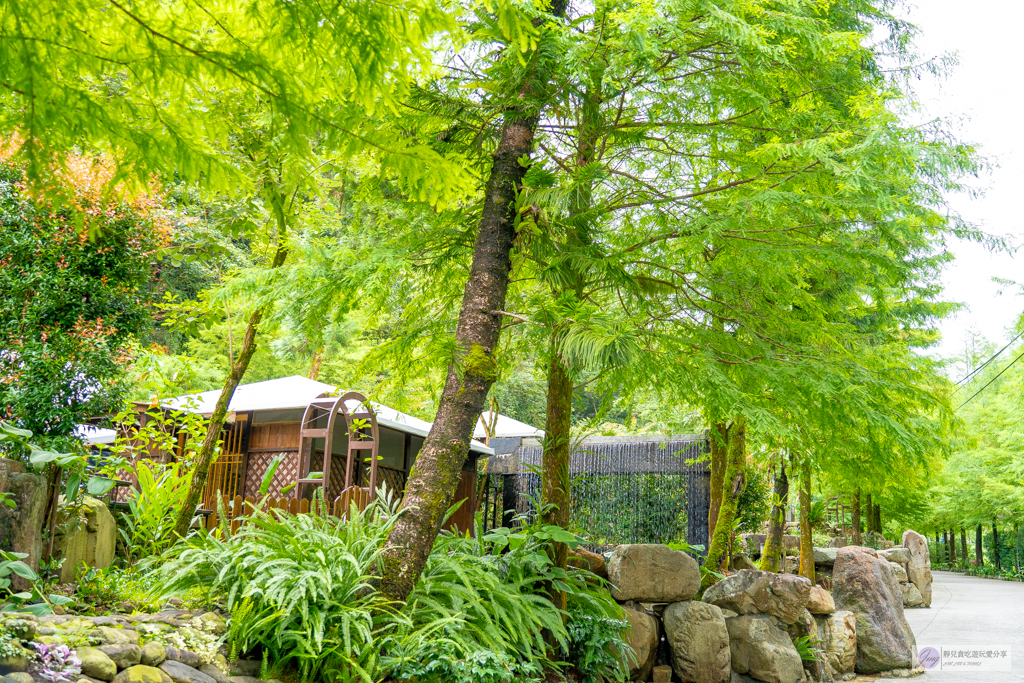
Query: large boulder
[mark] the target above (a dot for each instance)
(911, 595)
(820, 601)
(21, 526)
(865, 585)
(123, 655)
(837, 634)
(642, 639)
(697, 634)
(762, 650)
(919, 568)
(652, 573)
(755, 592)
(897, 554)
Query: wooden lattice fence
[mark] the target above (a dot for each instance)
(235, 510)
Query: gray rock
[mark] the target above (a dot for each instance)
(21, 525)
(899, 572)
(919, 569)
(244, 679)
(911, 595)
(901, 555)
(699, 641)
(215, 673)
(866, 586)
(118, 636)
(755, 592)
(18, 677)
(186, 657)
(820, 601)
(182, 673)
(96, 664)
(825, 555)
(652, 573)
(123, 654)
(837, 634)
(643, 640)
(763, 650)
(15, 663)
(153, 654)
(22, 629)
(245, 667)
(142, 674)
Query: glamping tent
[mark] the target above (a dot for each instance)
(266, 421)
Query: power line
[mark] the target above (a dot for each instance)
(981, 367)
(991, 380)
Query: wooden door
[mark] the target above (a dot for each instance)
(463, 517)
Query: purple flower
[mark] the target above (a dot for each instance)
(59, 663)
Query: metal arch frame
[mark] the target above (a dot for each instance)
(322, 407)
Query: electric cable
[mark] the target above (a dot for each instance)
(981, 367)
(991, 380)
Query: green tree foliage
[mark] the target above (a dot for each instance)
(71, 305)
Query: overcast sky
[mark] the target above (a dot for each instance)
(985, 91)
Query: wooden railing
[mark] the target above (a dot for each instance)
(237, 508)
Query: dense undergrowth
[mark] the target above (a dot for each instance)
(302, 589)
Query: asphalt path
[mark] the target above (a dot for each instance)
(971, 613)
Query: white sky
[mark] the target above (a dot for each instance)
(984, 92)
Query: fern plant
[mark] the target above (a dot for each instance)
(303, 588)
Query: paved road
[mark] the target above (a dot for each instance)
(972, 613)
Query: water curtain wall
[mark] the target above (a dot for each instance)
(624, 489)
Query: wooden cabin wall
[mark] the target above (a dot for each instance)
(266, 442)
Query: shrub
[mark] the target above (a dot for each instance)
(302, 588)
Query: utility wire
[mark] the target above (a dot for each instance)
(991, 380)
(981, 367)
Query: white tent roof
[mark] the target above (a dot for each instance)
(95, 435)
(505, 427)
(294, 393)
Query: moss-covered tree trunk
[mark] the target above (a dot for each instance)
(555, 472)
(855, 518)
(806, 537)
(435, 474)
(719, 455)
(733, 482)
(771, 557)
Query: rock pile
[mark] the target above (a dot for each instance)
(752, 625)
(130, 649)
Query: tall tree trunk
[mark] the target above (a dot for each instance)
(435, 474)
(963, 545)
(220, 411)
(771, 557)
(856, 540)
(1016, 553)
(555, 471)
(870, 516)
(806, 537)
(951, 540)
(979, 551)
(719, 457)
(995, 546)
(877, 517)
(733, 483)
(555, 482)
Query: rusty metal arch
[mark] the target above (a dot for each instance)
(329, 407)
